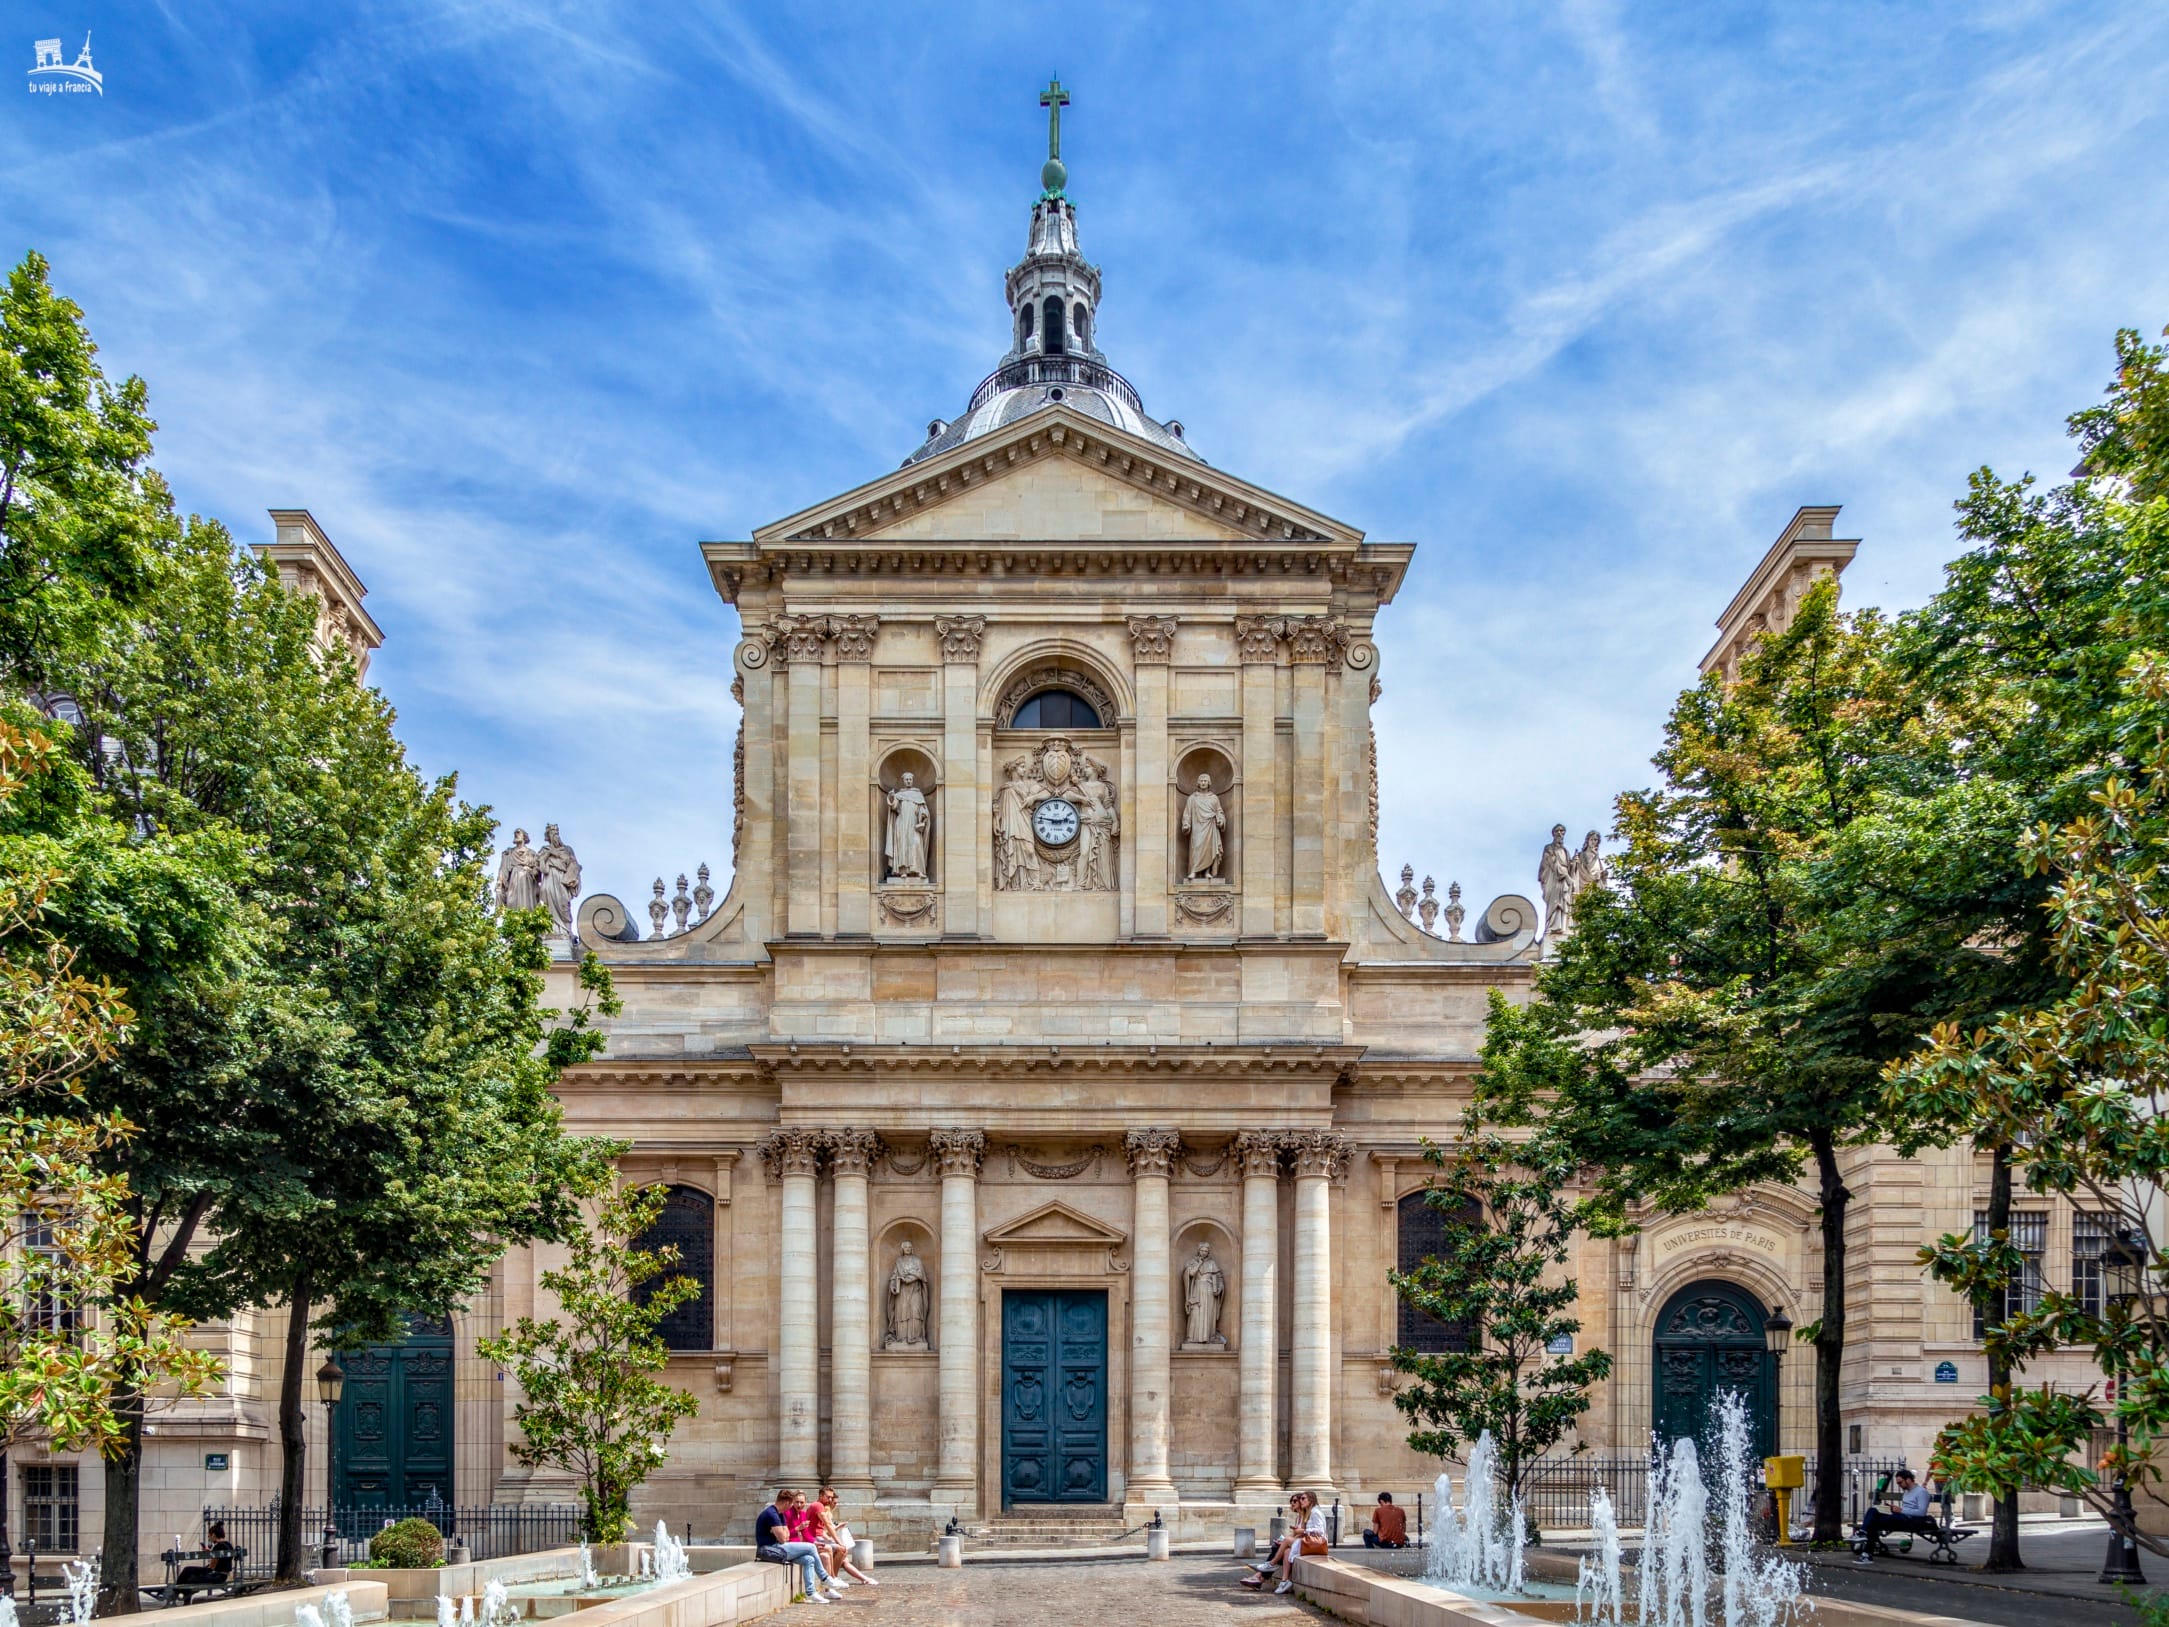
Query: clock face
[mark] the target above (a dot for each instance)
(1055, 821)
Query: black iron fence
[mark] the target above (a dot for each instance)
(492, 1531)
(1864, 1476)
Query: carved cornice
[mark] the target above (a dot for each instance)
(1152, 1152)
(1319, 1152)
(846, 1060)
(1257, 638)
(960, 637)
(1257, 1152)
(958, 1152)
(1315, 641)
(854, 636)
(792, 1152)
(853, 1152)
(1152, 639)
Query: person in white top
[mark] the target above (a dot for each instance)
(836, 1542)
(1306, 1535)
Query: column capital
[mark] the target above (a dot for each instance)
(854, 636)
(852, 1152)
(792, 1152)
(1257, 638)
(1315, 641)
(1257, 1153)
(1152, 1152)
(960, 638)
(1319, 1152)
(796, 638)
(1152, 639)
(958, 1151)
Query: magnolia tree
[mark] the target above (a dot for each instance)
(2078, 1088)
(591, 1402)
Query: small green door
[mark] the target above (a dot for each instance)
(395, 1422)
(1709, 1340)
(1054, 1397)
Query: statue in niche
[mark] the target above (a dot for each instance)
(1204, 1290)
(906, 1327)
(1555, 883)
(1055, 824)
(1100, 821)
(911, 824)
(1203, 821)
(519, 875)
(560, 880)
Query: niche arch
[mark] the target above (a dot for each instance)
(887, 1247)
(1227, 1252)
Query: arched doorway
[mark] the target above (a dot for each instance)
(1708, 1340)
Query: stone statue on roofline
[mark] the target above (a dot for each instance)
(558, 882)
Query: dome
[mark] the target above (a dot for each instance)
(1054, 359)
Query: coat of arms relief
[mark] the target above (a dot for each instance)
(1055, 822)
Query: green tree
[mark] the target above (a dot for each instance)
(590, 1401)
(78, 502)
(72, 1337)
(1507, 1232)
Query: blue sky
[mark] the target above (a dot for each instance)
(1583, 298)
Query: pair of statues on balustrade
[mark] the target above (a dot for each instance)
(1563, 876)
(547, 877)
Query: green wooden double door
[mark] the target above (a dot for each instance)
(394, 1436)
(1054, 1396)
(1709, 1340)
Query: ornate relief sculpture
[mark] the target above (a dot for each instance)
(911, 826)
(1055, 823)
(519, 875)
(1202, 822)
(905, 1327)
(1204, 1289)
(558, 881)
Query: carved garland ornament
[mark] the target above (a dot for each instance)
(1053, 1172)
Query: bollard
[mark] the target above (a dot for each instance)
(949, 1553)
(862, 1553)
(1246, 1542)
(1156, 1542)
(1277, 1530)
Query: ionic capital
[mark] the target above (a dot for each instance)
(1152, 1152)
(960, 637)
(1152, 639)
(958, 1152)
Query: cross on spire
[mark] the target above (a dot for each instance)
(1054, 98)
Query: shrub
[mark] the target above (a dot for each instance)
(408, 1545)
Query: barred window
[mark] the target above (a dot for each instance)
(46, 1310)
(2029, 1235)
(52, 1515)
(1423, 1237)
(2091, 1235)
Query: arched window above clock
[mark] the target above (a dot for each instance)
(1056, 709)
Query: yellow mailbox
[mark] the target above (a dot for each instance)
(1784, 1476)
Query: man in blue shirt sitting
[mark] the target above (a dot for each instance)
(772, 1542)
(1912, 1515)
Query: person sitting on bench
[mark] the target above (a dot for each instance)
(220, 1570)
(1912, 1515)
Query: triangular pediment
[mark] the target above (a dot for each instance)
(1055, 1224)
(1059, 476)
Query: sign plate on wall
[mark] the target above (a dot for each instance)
(1946, 1372)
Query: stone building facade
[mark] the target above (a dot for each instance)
(1043, 1101)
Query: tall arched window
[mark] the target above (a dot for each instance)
(1081, 325)
(1056, 709)
(1024, 326)
(687, 1224)
(1423, 1237)
(1051, 327)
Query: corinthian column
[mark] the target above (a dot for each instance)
(851, 1154)
(1256, 1439)
(1152, 1155)
(956, 1475)
(1320, 1156)
(794, 1157)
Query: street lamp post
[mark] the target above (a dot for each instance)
(1776, 1334)
(330, 1385)
(2123, 1265)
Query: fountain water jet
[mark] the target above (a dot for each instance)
(672, 1563)
(1477, 1545)
(1596, 1582)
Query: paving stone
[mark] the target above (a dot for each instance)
(1192, 1592)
